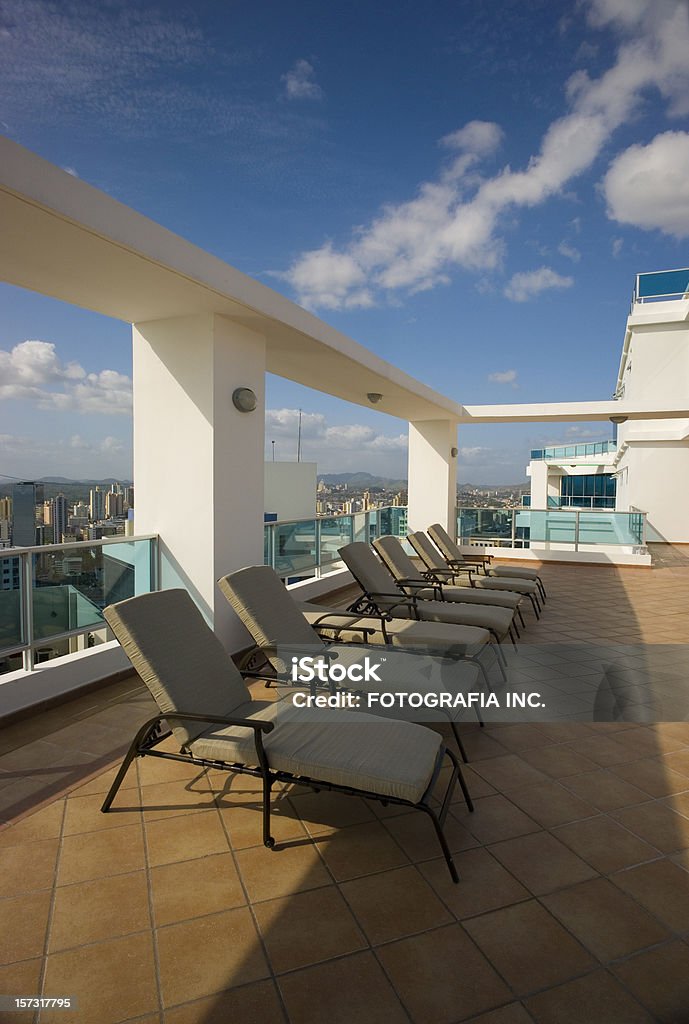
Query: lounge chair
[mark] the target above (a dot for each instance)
(493, 616)
(204, 702)
(438, 569)
(455, 558)
(381, 596)
(281, 632)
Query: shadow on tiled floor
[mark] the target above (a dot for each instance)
(573, 906)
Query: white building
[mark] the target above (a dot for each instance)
(647, 468)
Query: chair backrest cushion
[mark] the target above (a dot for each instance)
(369, 572)
(442, 538)
(396, 558)
(178, 656)
(426, 550)
(258, 596)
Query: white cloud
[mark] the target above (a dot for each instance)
(76, 457)
(570, 252)
(346, 445)
(648, 186)
(504, 377)
(300, 83)
(617, 244)
(455, 220)
(477, 137)
(524, 286)
(33, 371)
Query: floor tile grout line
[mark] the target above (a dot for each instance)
(151, 907)
(235, 861)
(51, 913)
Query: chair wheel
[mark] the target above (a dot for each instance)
(269, 842)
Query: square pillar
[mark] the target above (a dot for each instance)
(198, 461)
(432, 475)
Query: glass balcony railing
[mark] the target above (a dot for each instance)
(574, 451)
(579, 529)
(52, 597)
(301, 548)
(662, 285)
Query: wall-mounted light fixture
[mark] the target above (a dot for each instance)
(618, 419)
(244, 399)
(374, 397)
(454, 452)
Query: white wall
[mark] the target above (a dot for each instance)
(188, 435)
(653, 469)
(290, 489)
(432, 476)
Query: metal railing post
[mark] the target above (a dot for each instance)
(514, 528)
(318, 547)
(577, 513)
(26, 601)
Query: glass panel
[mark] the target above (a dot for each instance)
(295, 547)
(484, 526)
(10, 612)
(664, 282)
(392, 520)
(335, 531)
(266, 544)
(611, 528)
(71, 585)
(556, 527)
(360, 534)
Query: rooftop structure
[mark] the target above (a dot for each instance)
(574, 863)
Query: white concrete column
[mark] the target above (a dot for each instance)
(432, 475)
(198, 461)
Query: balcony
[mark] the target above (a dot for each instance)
(573, 901)
(573, 451)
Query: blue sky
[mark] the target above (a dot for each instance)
(468, 189)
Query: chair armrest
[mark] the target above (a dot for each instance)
(350, 624)
(257, 724)
(423, 585)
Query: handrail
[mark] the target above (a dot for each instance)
(27, 588)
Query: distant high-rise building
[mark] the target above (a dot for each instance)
(27, 507)
(5, 522)
(60, 517)
(114, 504)
(129, 497)
(96, 504)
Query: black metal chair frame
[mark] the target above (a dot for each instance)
(152, 733)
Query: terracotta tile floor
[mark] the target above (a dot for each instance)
(573, 906)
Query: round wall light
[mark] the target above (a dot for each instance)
(618, 419)
(244, 399)
(374, 397)
(454, 452)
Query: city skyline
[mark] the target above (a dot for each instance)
(471, 204)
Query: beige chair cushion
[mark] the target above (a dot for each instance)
(346, 748)
(178, 656)
(517, 586)
(513, 571)
(438, 637)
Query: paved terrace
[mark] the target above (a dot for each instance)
(573, 905)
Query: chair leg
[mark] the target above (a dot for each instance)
(458, 741)
(534, 605)
(521, 617)
(268, 780)
(541, 588)
(131, 754)
(443, 842)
